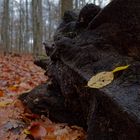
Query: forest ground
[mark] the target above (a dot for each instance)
(18, 75)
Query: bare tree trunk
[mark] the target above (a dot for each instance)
(27, 27)
(50, 20)
(66, 5)
(11, 29)
(83, 3)
(76, 4)
(20, 29)
(37, 26)
(5, 26)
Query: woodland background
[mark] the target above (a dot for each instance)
(25, 24)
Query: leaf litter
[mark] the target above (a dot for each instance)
(19, 75)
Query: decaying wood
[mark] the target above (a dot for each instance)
(110, 113)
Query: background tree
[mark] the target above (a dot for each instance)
(37, 26)
(5, 26)
(25, 24)
(66, 5)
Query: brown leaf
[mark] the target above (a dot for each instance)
(37, 130)
(1, 93)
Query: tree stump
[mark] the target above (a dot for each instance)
(112, 39)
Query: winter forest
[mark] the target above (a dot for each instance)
(69, 69)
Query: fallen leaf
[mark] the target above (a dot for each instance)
(37, 130)
(26, 131)
(13, 88)
(24, 86)
(120, 68)
(100, 80)
(1, 93)
(50, 128)
(31, 116)
(5, 103)
(50, 137)
(104, 78)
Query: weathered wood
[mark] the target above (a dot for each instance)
(112, 39)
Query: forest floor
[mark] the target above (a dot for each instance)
(18, 75)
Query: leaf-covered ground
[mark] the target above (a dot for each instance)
(18, 74)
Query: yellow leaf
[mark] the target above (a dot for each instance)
(100, 80)
(120, 68)
(104, 78)
(27, 132)
(13, 88)
(5, 103)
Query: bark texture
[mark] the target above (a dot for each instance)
(110, 113)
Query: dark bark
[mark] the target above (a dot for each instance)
(112, 39)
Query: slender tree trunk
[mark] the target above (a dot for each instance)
(66, 5)
(76, 4)
(11, 29)
(5, 26)
(37, 26)
(50, 20)
(27, 27)
(83, 3)
(20, 29)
